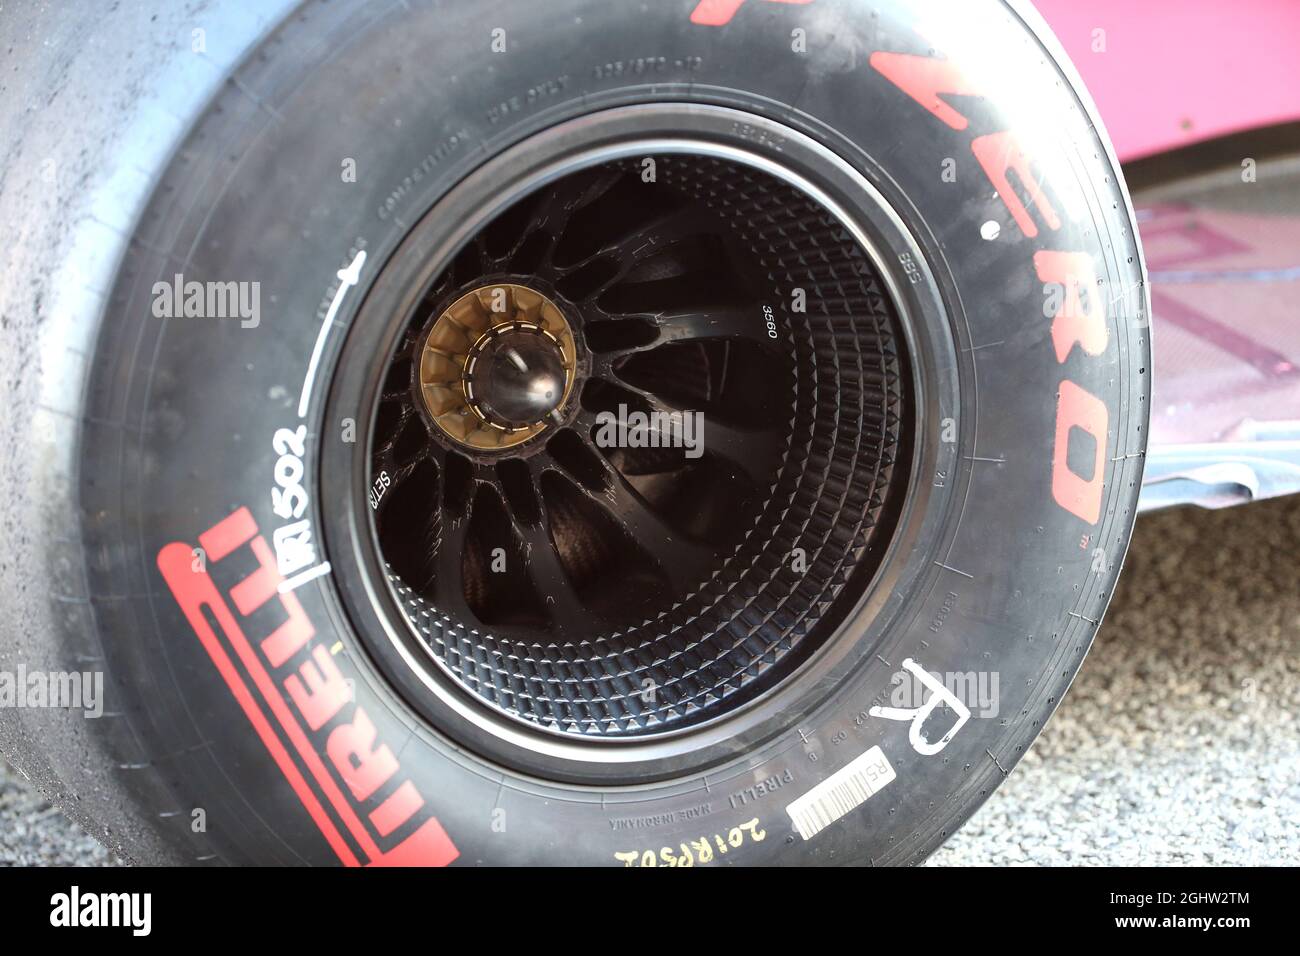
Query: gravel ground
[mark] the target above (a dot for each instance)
(33, 833)
(1178, 744)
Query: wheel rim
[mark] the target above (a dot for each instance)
(569, 582)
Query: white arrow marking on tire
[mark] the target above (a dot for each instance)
(347, 279)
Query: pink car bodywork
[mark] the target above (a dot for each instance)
(1223, 249)
(1168, 73)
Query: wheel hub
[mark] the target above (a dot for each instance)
(497, 367)
(515, 376)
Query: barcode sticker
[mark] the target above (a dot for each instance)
(842, 792)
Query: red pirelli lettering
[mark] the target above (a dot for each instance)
(1000, 154)
(1079, 408)
(717, 13)
(319, 694)
(318, 690)
(927, 80)
(1081, 318)
(364, 763)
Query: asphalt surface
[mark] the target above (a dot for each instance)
(1178, 744)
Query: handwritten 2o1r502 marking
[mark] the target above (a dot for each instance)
(699, 850)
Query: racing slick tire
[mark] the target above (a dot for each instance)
(583, 433)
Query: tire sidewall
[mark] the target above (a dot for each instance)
(1011, 578)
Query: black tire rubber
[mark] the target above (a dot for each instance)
(176, 426)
